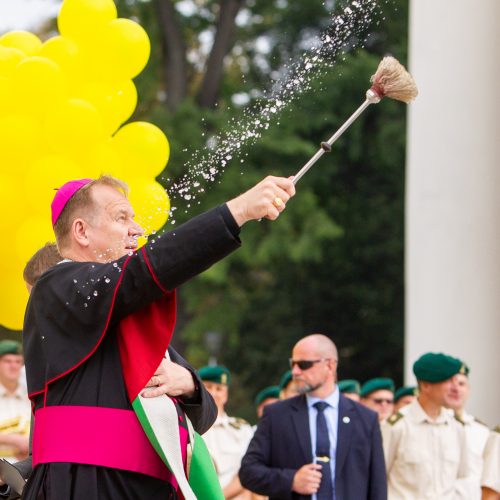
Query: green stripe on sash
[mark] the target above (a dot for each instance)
(202, 476)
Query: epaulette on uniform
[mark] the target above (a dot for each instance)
(459, 419)
(395, 417)
(497, 429)
(238, 423)
(479, 422)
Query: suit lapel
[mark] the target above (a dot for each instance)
(300, 419)
(344, 432)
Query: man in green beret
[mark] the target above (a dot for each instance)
(227, 440)
(266, 396)
(425, 448)
(378, 395)
(287, 386)
(476, 432)
(350, 388)
(404, 396)
(15, 408)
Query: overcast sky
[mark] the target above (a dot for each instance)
(25, 14)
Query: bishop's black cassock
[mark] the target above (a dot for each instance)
(76, 347)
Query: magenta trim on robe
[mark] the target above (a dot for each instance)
(106, 437)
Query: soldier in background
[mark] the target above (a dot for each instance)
(490, 481)
(425, 447)
(378, 395)
(404, 396)
(476, 432)
(287, 386)
(350, 388)
(265, 397)
(15, 407)
(227, 440)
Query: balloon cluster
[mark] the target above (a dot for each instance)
(62, 103)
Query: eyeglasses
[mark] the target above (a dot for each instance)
(305, 364)
(380, 401)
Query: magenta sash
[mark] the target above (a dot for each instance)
(106, 437)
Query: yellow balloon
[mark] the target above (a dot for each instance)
(12, 202)
(9, 59)
(127, 47)
(32, 234)
(144, 149)
(6, 103)
(115, 102)
(81, 19)
(37, 85)
(125, 99)
(73, 126)
(13, 297)
(23, 40)
(20, 139)
(101, 159)
(151, 204)
(45, 176)
(62, 51)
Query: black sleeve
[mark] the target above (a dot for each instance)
(200, 409)
(86, 289)
(256, 472)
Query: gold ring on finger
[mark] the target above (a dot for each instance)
(278, 202)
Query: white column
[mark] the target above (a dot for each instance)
(453, 192)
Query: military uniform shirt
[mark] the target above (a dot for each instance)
(425, 458)
(15, 415)
(476, 434)
(227, 441)
(491, 469)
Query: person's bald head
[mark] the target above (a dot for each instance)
(321, 344)
(314, 365)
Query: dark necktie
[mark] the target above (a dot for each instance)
(325, 491)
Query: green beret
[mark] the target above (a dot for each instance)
(285, 379)
(10, 347)
(218, 374)
(273, 391)
(405, 391)
(376, 384)
(349, 386)
(438, 367)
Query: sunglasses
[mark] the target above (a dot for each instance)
(305, 364)
(379, 401)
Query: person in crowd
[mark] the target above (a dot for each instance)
(490, 480)
(265, 397)
(378, 395)
(41, 261)
(476, 432)
(404, 396)
(425, 447)
(350, 388)
(287, 386)
(228, 438)
(97, 329)
(319, 444)
(15, 408)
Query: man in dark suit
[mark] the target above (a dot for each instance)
(318, 445)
